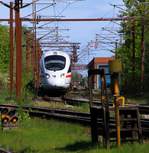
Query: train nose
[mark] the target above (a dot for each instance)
(56, 81)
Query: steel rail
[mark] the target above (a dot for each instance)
(77, 117)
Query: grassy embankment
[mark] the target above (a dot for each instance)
(40, 136)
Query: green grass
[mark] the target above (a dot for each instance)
(59, 105)
(42, 136)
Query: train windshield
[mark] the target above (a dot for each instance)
(55, 62)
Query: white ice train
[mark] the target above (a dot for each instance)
(55, 70)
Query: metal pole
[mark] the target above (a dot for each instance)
(133, 53)
(117, 117)
(38, 65)
(27, 53)
(142, 56)
(18, 30)
(11, 37)
(35, 47)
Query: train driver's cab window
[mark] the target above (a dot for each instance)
(55, 62)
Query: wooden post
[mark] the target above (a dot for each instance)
(105, 104)
(90, 91)
(94, 126)
(99, 113)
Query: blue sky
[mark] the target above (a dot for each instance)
(83, 32)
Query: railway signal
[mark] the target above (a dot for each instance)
(8, 118)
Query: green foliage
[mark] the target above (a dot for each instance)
(139, 10)
(23, 116)
(4, 48)
(4, 62)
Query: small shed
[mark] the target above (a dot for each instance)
(100, 63)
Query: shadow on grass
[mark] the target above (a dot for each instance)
(78, 146)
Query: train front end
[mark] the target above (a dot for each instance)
(55, 70)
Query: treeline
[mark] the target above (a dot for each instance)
(133, 50)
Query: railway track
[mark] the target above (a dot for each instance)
(78, 101)
(64, 114)
(70, 100)
(78, 117)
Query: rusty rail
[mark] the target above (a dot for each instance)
(79, 117)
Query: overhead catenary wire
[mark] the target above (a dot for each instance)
(57, 15)
(40, 10)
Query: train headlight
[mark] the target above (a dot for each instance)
(47, 76)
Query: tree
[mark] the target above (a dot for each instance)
(138, 10)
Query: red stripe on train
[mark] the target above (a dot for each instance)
(68, 76)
